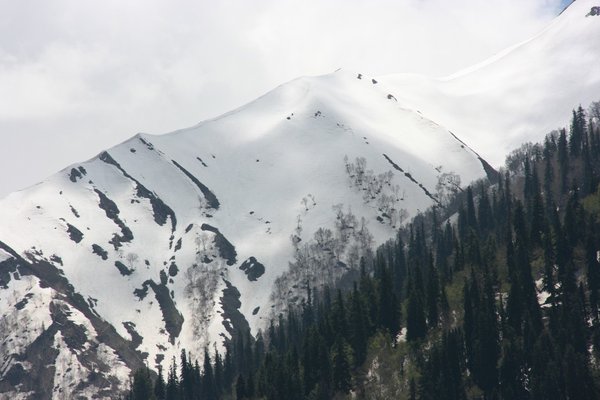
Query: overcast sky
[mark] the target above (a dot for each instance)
(79, 76)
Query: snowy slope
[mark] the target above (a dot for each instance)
(178, 241)
(182, 240)
(519, 95)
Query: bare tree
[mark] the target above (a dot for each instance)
(594, 111)
(448, 185)
(201, 241)
(131, 259)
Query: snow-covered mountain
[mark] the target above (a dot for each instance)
(170, 242)
(520, 94)
(181, 240)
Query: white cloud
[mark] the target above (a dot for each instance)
(80, 76)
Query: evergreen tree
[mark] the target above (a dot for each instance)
(208, 381)
(358, 331)
(546, 373)
(240, 388)
(563, 161)
(471, 218)
(433, 294)
(186, 383)
(578, 131)
(593, 273)
(172, 388)
(416, 325)
(142, 385)
(512, 380)
(579, 383)
(341, 367)
(159, 385)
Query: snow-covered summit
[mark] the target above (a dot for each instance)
(180, 240)
(518, 95)
(183, 240)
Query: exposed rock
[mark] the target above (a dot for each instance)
(253, 269)
(211, 199)
(226, 249)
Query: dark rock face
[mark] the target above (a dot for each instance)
(136, 338)
(75, 234)
(210, 197)
(123, 269)
(233, 320)
(160, 210)
(77, 173)
(40, 355)
(74, 175)
(97, 249)
(412, 179)
(171, 315)
(253, 269)
(173, 270)
(226, 249)
(112, 212)
(21, 304)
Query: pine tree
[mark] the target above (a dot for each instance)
(412, 390)
(399, 265)
(358, 328)
(593, 273)
(579, 383)
(578, 131)
(142, 385)
(159, 385)
(512, 385)
(416, 325)
(471, 218)
(208, 381)
(341, 367)
(484, 214)
(186, 384)
(563, 161)
(172, 388)
(339, 322)
(240, 388)
(218, 374)
(546, 373)
(388, 304)
(433, 294)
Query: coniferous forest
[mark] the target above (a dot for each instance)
(495, 296)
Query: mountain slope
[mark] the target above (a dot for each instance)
(519, 95)
(184, 240)
(178, 241)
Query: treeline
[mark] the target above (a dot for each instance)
(501, 303)
(310, 353)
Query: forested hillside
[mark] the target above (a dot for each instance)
(495, 296)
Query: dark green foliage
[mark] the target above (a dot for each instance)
(142, 387)
(563, 160)
(578, 132)
(416, 325)
(511, 371)
(159, 386)
(442, 373)
(342, 380)
(172, 389)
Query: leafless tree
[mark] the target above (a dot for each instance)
(131, 259)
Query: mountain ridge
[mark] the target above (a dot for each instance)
(184, 240)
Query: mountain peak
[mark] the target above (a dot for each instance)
(184, 240)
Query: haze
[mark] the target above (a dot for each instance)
(77, 77)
